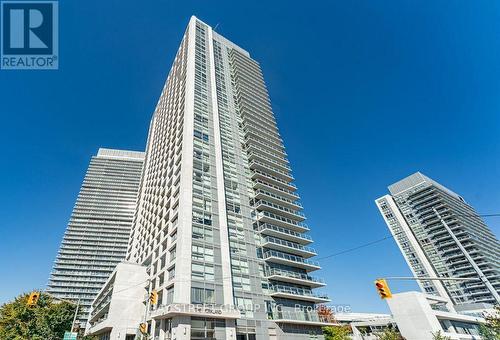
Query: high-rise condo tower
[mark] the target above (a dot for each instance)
(219, 220)
(97, 234)
(426, 220)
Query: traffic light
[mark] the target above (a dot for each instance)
(33, 299)
(153, 297)
(383, 289)
(143, 328)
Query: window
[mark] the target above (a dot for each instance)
(202, 328)
(245, 306)
(202, 272)
(203, 233)
(173, 254)
(200, 253)
(202, 295)
(242, 283)
(171, 273)
(170, 296)
(201, 135)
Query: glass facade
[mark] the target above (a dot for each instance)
(98, 231)
(429, 248)
(219, 220)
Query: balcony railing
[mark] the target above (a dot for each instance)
(270, 186)
(298, 291)
(266, 216)
(278, 209)
(271, 229)
(293, 275)
(292, 258)
(291, 245)
(281, 199)
(297, 316)
(285, 174)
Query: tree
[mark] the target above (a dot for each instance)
(325, 314)
(491, 330)
(337, 332)
(48, 320)
(389, 334)
(438, 336)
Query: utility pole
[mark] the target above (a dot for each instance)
(147, 306)
(70, 302)
(74, 317)
(469, 258)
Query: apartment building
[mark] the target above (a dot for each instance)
(441, 235)
(97, 234)
(219, 225)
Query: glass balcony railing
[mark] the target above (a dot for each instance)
(297, 291)
(278, 156)
(282, 230)
(253, 164)
(277, 207)
(289, 244)
(286, 222)
(293, 275)
(307, 316)
(288, 257)
(279, 198)
(282, 190)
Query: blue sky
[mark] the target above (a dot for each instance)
(365, 93)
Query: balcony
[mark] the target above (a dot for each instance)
(276, 155)
(101, 308)
(284, 175)
(289, 292)
(300, 317)
(277, 189)
(291, 260)
(280, 148)
(288, 247)
(282, 178)
(268, 217)
(280, 210)
(284, 233)
(282, 275)
(269, 160)
(251, 135)
(253, 130)
(283, 201)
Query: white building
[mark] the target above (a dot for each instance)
(219, 220)
(118, 307)
(417, 316)
(429, 248)
(98, 231)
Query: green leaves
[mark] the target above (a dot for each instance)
(389, 334)
(491, 330)
(47, 320)
(337, 332)
(439, 336)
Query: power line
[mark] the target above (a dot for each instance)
(349, 250)
(355, 248)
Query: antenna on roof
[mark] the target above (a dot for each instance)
(216, 26)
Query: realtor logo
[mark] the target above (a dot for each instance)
(29, 35)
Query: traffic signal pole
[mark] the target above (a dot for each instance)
(74, 317)
(423, 278)
(469, 258)
(147, 306)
